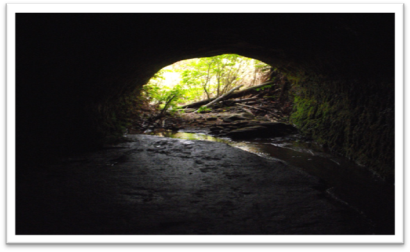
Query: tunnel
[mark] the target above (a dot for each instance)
(72, 70)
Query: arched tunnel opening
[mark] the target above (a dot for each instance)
(193, 91)
(77, 76)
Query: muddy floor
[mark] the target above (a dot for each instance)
(154, 185)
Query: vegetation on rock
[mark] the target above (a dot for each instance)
(344, 119)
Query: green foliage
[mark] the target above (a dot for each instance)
(203, 109)
(163, 96)
(201, 78)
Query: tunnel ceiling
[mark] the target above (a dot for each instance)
(112, 49)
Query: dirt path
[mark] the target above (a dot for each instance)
(158, 185)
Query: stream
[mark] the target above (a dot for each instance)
(347, 182)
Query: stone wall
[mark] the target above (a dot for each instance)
(348, 119)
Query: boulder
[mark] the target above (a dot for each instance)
(211, 119)
(248, 132)
(235, 117)
(279, 129)
(263, 130)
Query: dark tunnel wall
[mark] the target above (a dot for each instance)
(73, 68)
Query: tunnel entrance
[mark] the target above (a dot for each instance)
(223, 95)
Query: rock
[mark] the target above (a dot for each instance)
(172, 127)
(240, 123)
(263, 130)
(235, 117)
(211, 119)
(226, 119)
(253, 123)
(216, 129)
(230, 126)
(279, 129)
(248, 132)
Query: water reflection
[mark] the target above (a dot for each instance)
(293, 150)
(350, 183)
(192, 136)
(289, 149)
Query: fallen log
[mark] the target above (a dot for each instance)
(250, 90)
(197, 104)
(241, 93)
(220, 98)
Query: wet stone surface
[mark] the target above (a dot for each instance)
(156, 185)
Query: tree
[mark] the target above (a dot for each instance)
(198, 73)
(202, 78)
(227, 71)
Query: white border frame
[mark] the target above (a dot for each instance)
(11, 9)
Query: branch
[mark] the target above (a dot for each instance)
(248, 111)
(261, 109)
(234, 95)
(222, 96)
(165, 107)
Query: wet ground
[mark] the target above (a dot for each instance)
(157, 185)
(353, 185)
